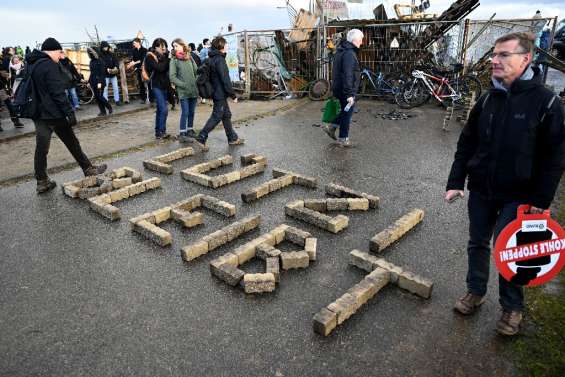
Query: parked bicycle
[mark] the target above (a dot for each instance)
(447, 87)
(85, 93)
(377, 84)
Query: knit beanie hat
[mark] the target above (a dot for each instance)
(51, 44)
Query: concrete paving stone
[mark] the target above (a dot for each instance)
(162, 214)
(265, 251)
(229, 274)
(191, 220)
(379, 277)
(396, 231)
(294, 260)
(152, 232)
(310, 247)
(259, 160)
(71, 191)
(279, 232)
(333, 189)
(234, 230)
(309, 216)
(213, 164)
(228, 258)
(245, 253)
(286, 180)
(117, 195)
(324, 322)
(305, 181)
(103, 198)
(274, 185)
(358, 204)
(259, 283)
(88, 192)
(218, 181)
(121, 182)
(250, 170)
(340, 204)
(247, 158)
(340, 191)
(319, 205)
(194, 250)
(119, 173)
(273, 266)
(158, 166)
(152, 183)
(216, 239)
(296, 236)
(249, 196)
(363, 291)
(107, 210)
(177, 212)
(233, 176)
(362, 260)
(263, 189)
(143, 217)
(200, 179)
(218, 206)
(277, 173)
(415, 284)
(344, 307)
(251, 222)
(136, 189)
(394, 270)
(226, 160)
(338, 223)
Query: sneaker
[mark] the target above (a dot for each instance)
(44, 185)
(468, 304)
(509, 323)
(183, 138)
(238, 141)
(190, 133)
(201, 144)
(95, 170)
(330, 131)
(344, 143)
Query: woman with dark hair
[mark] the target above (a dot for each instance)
(157, 66)
(97, 81)
(222, 90)
(182, 73)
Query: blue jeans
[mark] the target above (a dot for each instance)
(115, 89)
(73, 97)
(343, 119)
(162, 111)
(187, 106)
(485, 217)
(220, 113)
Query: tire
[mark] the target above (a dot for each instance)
(319, 90)
(414, 93)
(85, 94)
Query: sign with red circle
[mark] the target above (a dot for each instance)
(531, 249)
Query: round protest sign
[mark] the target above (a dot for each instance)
(531, 249)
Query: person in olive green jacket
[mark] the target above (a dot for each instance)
(182, 73)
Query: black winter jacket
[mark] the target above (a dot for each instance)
(504, 149)
(50, 86)
(346, 72)
(219, 76)
(110, 62)
(97, 75)
(158, 70)
(70, 73)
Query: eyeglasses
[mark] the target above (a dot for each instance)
(505, 54)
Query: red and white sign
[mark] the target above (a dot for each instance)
(531, 249)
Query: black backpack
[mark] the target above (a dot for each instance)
(205, 88)
(26, 100)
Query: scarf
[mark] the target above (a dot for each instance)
(181, 55)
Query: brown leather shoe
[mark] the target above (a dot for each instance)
(509, 323)
(468, 304)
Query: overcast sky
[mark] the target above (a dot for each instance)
(26, 22)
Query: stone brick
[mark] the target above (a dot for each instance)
(226, 160)
(216, 239)
(373, 200)
(358, 204)
(251, 222)
(274, 267)
(192, 219)
(121, 182)
(363, 291)
(103, 198)
(197, 178)
(213, 164)
(259, 160)
(120, 194)
(362, 260)
(146, 216)
(265, 251)
(277, 173)
(340, 204)
(338, 223)
(310, 247)
(250, 170)
(279, 233)
(229, 274)
(258, 283)
(218, 181)
(152, 183)
(88, 192)
(324, 322)
(245, 253)
(415, 284)
(296, 236)
(229, 258)
(333, 189)
(233, 176)
(158, 166)
(344, 307)
(396, 231)
(286, 180)
(249, 196)
(152, 232)
(294, 259)
(71, 191)
(319, 205)
(177, 212)
(136, 189)
(247, 158)
(394, 270)
(162, 214)
(118, 173)
(305, 181)
(106, 210)
(339, 191)
(379, 278)
(194, 250)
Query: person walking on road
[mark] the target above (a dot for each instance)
(182, 73)
(55, 113)
(111, 65)
(512, 152)
(222, 90)
(97, 81)
(346, 75)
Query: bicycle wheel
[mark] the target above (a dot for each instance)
(414, 93)
(468, 85)
(85, 94)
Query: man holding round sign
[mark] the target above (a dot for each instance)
(512, 152)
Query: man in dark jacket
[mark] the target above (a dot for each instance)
(512, 150)
(72, 78)
(111, 63)
(55, 113)
(346, 75)
(221, 83)
(194, 55)
(137, 56)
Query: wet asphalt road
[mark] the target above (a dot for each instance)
(81, 296)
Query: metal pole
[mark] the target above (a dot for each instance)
(546, 68)
(247, 67)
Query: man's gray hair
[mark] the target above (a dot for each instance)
(354, 34)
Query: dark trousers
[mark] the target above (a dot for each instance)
(141, 84)
(343, 119)
(220, 113)
(102, 102)
(44, 129)
(487, 216)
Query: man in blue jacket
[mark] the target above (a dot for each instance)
(512, 151)
(346, 75)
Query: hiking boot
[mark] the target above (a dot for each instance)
(190, 133)
(468, 304)
(17, 123)
(330, 131)
(44, 185)
(509, 323)
(95, 170)
(183, 138)
(238, 141)
(201, 144)
(344, 143)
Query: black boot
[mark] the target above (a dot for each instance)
(95, 170)
(17, 122)
(44, 185)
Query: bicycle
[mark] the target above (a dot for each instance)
(84, 93)
(441, 86)
(376, 84)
